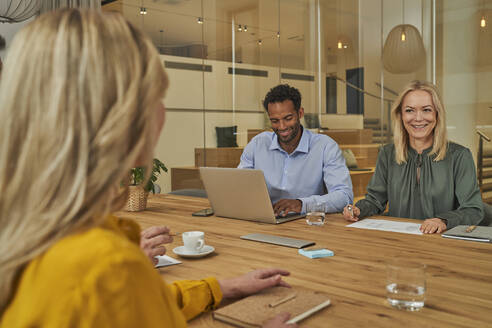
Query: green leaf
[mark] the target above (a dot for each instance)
(137, 175)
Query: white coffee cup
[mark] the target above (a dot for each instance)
(193, 241)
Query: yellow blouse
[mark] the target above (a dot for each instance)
(101, 278)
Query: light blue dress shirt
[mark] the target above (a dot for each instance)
(314, 173)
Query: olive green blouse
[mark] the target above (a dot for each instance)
(447, 189)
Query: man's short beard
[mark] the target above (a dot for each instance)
(295, 132)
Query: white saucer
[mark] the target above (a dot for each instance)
(182, 251)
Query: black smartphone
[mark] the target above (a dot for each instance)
(204, 212)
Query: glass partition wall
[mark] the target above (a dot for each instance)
(349, 59)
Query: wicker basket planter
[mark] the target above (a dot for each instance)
(137, 199)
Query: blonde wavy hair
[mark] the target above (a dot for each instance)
(400, 134)
(78, 94)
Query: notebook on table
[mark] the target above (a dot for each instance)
(255, 310)
(483, 234)
(241, 194)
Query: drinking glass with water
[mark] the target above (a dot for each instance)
(315, 214)
(405, 288)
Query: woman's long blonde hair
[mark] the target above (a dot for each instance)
(400, 134)
(77, 96)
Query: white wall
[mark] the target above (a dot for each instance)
(459, 81)
(8, 31)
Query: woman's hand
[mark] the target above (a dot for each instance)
(351, 215)
(279, 321)
(252, 282)
(434, 225)
(152, 240)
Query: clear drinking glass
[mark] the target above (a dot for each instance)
(315, 214)
(405, 287)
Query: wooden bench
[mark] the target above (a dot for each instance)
(189, 178)
(218, 157)
(185, 178)
(365, 154)
(254, 132)
(348, 136)
(360, 180)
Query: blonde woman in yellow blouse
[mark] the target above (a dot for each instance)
(80, 104)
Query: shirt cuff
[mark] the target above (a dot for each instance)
(304, 205)
(216, 292)
(370, 207)
(365, 209)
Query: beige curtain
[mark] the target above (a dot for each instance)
(48, 5)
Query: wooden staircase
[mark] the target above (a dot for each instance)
(378, 136)
(487, 175)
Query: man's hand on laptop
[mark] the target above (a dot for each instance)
(284, 206)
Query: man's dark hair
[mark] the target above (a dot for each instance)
(281, 93)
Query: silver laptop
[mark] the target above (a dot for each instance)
(241, 194)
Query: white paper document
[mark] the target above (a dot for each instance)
(165, 260)
(386, 225)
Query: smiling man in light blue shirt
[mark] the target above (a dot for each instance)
(303, 171)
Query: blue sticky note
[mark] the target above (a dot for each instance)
(316, 253)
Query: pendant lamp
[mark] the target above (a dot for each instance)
(483, 21)
(403, 51)
(14, 11)
(49, 5)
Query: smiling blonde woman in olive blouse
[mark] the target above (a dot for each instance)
(80, 104)
(422, 175)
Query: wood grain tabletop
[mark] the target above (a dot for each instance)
(458, 274)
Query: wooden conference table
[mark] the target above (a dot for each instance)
(459, 273)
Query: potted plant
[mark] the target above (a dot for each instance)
(138, 189)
